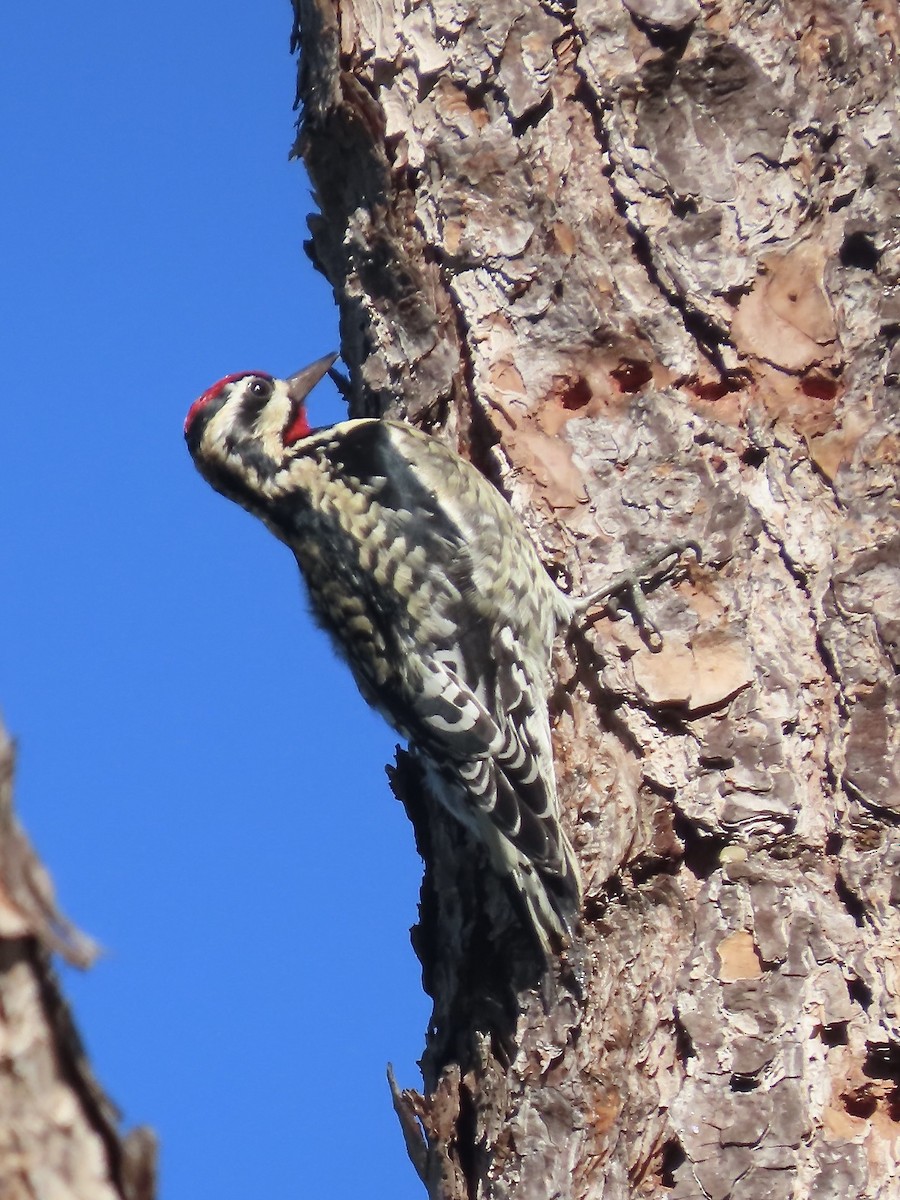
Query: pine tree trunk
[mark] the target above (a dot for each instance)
(639, 261)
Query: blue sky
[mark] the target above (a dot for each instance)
(195, 767)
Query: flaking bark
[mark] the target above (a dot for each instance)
(58, 1130)
(640, 262)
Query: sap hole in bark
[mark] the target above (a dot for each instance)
(743, 1083)
(819, 387)
(858, 250)
(577, 395)
(714, 389)
(859, 1103)
(710, 391)
(754, 456)
(631, 375)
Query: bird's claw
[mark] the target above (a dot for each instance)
(627, 589)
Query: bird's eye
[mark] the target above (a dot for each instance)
(260, 389)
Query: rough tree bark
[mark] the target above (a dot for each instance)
(639, 260)
(59, 1132)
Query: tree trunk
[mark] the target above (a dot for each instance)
(639, 261)
(58, 1130)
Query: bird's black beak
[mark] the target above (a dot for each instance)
(303, 382)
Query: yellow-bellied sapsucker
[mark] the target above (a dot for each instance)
(433, 593)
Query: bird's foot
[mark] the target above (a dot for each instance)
(627, 590)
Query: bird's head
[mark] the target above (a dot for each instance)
(247, 427)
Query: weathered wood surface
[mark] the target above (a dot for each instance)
(59, 1133)
(640, 261)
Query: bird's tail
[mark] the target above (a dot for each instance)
(549, 901)
(528, 849)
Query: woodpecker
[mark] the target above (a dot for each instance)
(434, 594)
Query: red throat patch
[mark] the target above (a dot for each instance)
(299, 428)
